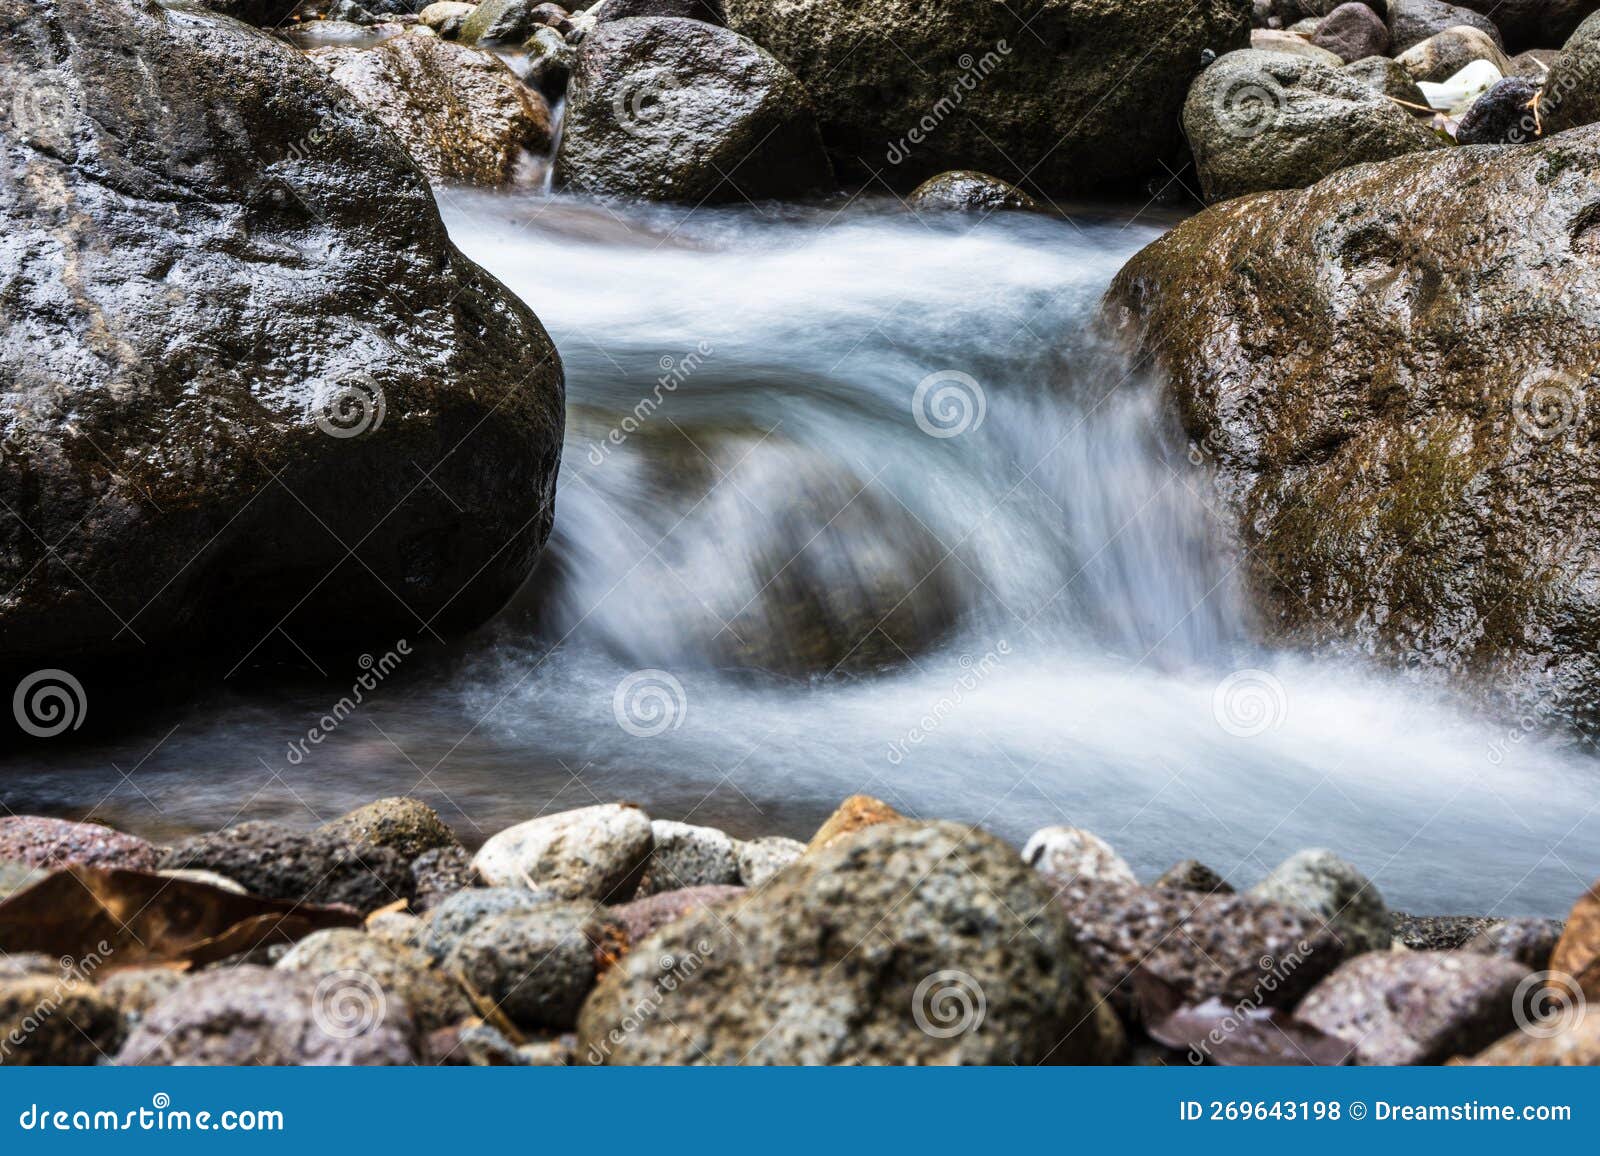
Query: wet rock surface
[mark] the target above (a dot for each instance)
(676, 110)
(1396, 435)
(461, 113)
(1084, 96)
(309, 866)
(244, 244)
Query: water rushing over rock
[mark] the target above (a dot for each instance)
(851, 502)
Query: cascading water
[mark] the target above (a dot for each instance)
(853, 501)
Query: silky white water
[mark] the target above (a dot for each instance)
(781, 574)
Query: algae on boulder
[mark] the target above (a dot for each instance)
(1394, 371)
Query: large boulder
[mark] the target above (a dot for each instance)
(1393, 371)
(903, 943)
(1262, 120)
(1413, 21)
(1353, 32)
(961, 190)
(1441, 56)
(1064, 94)
(248, 381)
(1526, 24)
(462, 113)
(680, 110)
(1572, 89)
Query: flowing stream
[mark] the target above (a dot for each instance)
(852, 501)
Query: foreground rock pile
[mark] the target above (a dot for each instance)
(599, 936)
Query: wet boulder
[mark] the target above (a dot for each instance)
(550, 60)
(1503, 115)
(1441, 56)
(279, 862)
(1572, 90)
(445, 17)
(216, 429)
(1413, 21)
(500, 22)
(1526, 24)
(1416, 1007)
(1393, 371)
(962, 190)
(1353, 32)
(709, 11)
(258, 1016)
(904, 943)
(1070, 94)
(461, 113)
(680, 110)
(1261, 120)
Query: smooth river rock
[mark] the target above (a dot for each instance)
(597, 853)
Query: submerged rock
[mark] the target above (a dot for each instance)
(237, 386)
(1416, 1007)
(680, 110)
(1076, 95)
(1392, 370)
(461, 113)
(252, 1016)
(962, 190)
(902, 944)
(1261, 120)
